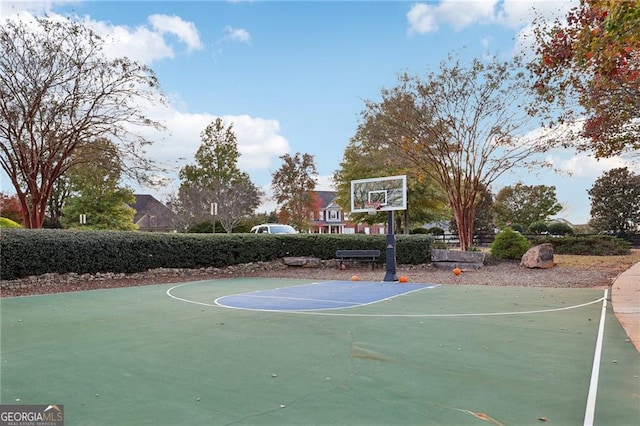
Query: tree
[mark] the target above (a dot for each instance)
(216, 179)
(525, 205)
(615, 202)
(594, 58)
(461, 128)
(484, 218)
(99, 157)
(58, 92)
(367, 157)
(188, 206)
(94, 191)
(292, 185)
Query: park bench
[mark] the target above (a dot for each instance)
(370, 256)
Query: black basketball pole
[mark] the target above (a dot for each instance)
(391, 250)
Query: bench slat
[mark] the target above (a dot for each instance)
(357, 253)
(370, 256)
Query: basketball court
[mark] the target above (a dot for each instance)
(250, 351)
(291, 352)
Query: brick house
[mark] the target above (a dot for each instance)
(329, 218)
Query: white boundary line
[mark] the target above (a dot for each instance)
(595, 370)
(345, 314)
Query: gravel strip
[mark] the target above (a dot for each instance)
(505, 273)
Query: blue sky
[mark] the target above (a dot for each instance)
(293, 76)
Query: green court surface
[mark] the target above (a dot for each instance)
(448, 355)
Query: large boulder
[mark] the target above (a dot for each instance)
(540, 256)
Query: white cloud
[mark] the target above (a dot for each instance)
(37, 7)
(259, 144)
(236, 34)
(586, 166)
(140, 43)
(424, 18)
(185, 31)
(259, 141)
(144, 43)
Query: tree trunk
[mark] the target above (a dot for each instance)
(464, 221)
(33, 213)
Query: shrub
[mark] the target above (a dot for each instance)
(560, 228)
(509, 245)
(517, 227)
(419, 231)
(8, 223)
(538, 228)
(435, 231)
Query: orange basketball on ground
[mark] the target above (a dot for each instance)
(355, 278)
(403, 279)
(457, 271)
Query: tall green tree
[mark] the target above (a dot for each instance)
(95, 191)
(59, 92)
(462, 127)
(615, 202)
(292, 185)
(216, 179)
(523, 204)
(365, 157)
(592, 57)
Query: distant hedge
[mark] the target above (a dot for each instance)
(25, 252)
(595, 245)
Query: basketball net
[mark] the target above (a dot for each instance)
(373, 207)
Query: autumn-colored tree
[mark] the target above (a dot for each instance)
(615, 202)
(525, 204)
(593, 57)
(10, 208)
(462, 127)
(293, 185)
(58, 92)
(215, 178)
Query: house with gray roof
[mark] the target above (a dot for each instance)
(153, 216)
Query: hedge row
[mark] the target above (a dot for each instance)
(595, 245)
(26, 252)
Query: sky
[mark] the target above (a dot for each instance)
(293, 76)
